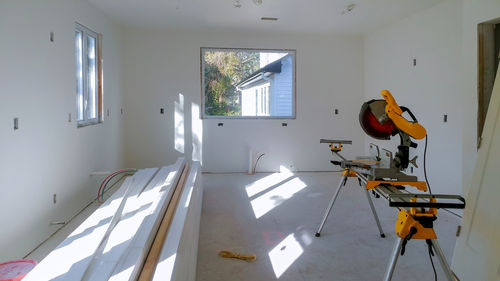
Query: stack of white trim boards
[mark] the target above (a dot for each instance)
(147, 230)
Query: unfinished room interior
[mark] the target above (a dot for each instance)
(250, 140)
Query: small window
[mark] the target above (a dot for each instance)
(247, 83)
(88, 76)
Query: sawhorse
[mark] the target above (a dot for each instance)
(413, 222)
(345, 175)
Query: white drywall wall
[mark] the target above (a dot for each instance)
(48, 154)
(430, 89)
(159, 65)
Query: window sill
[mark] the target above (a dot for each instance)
(86, 124)
(249, 117)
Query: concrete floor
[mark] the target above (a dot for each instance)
(289, 211)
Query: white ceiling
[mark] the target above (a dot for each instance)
(294, 15)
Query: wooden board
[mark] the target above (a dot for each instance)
(187, 252)
(125, 249)
(114, 242)
(154, 253)
(74, 254)
(117, 241)
(79, 271)
(168, 265)
(477, 254)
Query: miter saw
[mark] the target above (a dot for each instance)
(383, 174)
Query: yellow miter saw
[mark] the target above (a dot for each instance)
(384, 175)
(382, 119)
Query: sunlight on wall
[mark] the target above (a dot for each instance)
(197, 132)
(265, 183)
(179, 124)
(284, 169)
(285, 254)
(268, 201)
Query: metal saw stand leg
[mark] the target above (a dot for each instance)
(329, 209)
(397, 251)
(442, 259)
(374, 212)
(394, 259)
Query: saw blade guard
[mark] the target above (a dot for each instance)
(374, 120)
(382, 119)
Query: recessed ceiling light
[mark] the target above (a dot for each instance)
(269, 18)
(348, 9)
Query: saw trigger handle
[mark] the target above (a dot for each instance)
(394, 112)
(413, 230)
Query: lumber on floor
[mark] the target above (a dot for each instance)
(127, 245)
(179, 252)
(113, 243)
(154, 253)
(73, 255)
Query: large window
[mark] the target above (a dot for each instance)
(247, 83)
(88, 76)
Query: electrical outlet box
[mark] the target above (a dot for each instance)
(16, 123)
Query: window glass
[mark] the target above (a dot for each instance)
(244, 83)
(88, 97)
(91, 76)
(79, 74)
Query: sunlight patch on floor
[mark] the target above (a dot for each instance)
(265, 183)
(268, 201)
(285, 254)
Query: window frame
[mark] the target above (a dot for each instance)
(98, 99)
(202, 83)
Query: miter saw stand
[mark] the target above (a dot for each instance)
(380, 173)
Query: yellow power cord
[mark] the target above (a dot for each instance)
(227, 254)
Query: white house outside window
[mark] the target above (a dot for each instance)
(247, 83)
